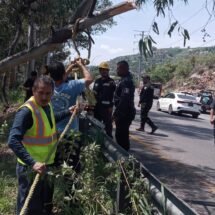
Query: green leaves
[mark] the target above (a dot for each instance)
(145, 46)
(172, 27)
(140, 2)
(186, 36)
(184, 32)
(155, 28)
(93, 190)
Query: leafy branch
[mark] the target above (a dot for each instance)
(93, 190)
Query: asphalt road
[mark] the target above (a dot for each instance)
(181, 154)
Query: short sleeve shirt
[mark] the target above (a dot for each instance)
(64, 97)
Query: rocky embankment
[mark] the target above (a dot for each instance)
(202, 78)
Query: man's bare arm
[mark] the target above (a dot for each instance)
(212, 116)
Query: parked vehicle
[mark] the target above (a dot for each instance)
(179, 103)
(206, 99)
(157, 90)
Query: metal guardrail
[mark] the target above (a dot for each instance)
(163, 198)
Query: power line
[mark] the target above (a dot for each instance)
(203, 44)
(195, 14)
(188, 19)
(193, 32)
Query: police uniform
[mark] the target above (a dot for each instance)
(146, 101)
(104, 90)
(124, 110)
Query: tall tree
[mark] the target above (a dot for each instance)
(71, 31)
(19, 21)
(60, 13)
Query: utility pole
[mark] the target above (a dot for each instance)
(141, 35)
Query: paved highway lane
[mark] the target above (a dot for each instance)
(181, 154)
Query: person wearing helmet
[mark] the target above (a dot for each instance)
(104, 88)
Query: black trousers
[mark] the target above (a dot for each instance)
(104, 114)
(144, 117)
(122, 133)
(41, 201)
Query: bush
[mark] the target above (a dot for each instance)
(162, 73)
(93, 190)
(183, 69)
(8, 182)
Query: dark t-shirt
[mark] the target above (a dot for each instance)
(28, 84)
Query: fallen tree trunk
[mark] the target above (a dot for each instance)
(62, 36)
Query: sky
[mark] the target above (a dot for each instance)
(122, 39)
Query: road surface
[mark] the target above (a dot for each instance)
(181, 154)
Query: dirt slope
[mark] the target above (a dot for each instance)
(201, 78)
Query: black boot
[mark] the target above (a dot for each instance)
(154, 128)
(140, 129)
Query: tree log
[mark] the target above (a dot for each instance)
(62, 35)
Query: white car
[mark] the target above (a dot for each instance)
(179, 103)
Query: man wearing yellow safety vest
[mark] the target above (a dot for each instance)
(32, 137)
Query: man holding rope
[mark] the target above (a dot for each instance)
(65, 95)
(32, 137)
(66, 92)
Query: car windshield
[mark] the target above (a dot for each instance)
(183, 96)
(206, 100)
(206, 94)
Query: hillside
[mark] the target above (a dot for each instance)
(202, 78)
(193, 69)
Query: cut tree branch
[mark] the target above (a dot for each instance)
(62, 35)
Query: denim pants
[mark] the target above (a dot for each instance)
(41, 201)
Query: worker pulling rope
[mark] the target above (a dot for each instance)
(37, 177)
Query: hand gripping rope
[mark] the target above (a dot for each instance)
(37, 177)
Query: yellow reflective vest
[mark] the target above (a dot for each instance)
(40, 138)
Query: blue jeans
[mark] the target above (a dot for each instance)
(41, 201)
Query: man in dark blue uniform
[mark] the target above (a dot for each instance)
(104, 88)
(124, 105)
(146, 101)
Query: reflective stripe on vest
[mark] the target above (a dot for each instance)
(41, 141)
(39, 124)
(40, 138)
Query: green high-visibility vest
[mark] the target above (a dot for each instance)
(40, 138)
